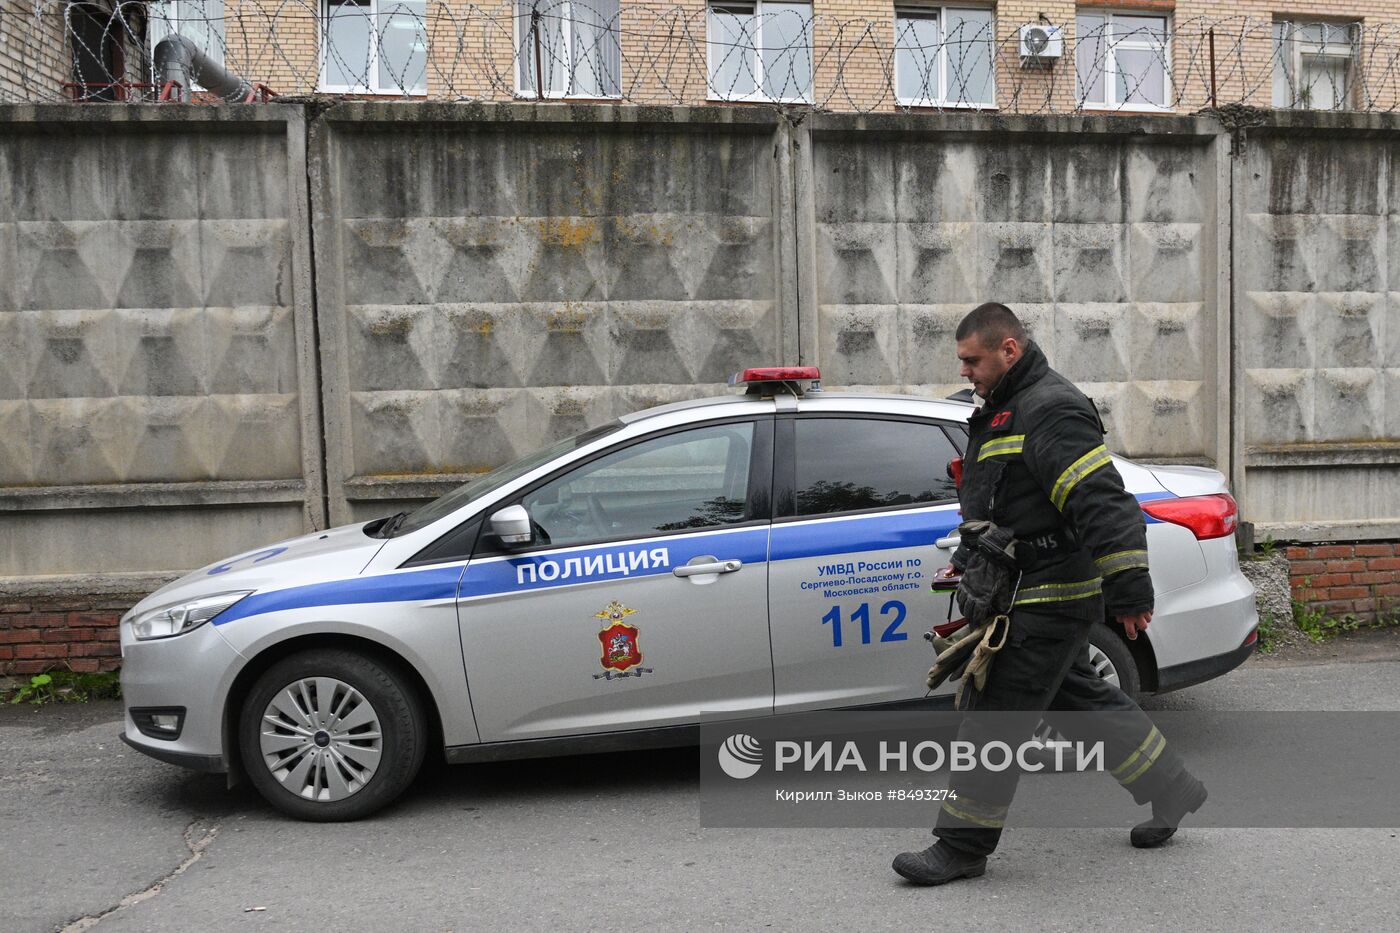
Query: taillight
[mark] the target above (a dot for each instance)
(1207, 516)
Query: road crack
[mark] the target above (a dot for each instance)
(196, 847)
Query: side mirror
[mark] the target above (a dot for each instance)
(512, 525)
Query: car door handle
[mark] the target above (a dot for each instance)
(951, 541)
(718, 566)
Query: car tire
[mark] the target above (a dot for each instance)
(331, 735)
(1110, 657)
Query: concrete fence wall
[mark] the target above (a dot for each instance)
(159, 398)
(223, 326)
(1317, 304)
(491, 284)
(1104, 235)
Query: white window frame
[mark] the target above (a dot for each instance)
(568, 23)
(1110, 60)
(905, 9)
(1346, 51)
(323, 51)
(168, 11)
(758, 96)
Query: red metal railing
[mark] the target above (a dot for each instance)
(85, 91)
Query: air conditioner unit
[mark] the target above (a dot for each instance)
(1041, 44)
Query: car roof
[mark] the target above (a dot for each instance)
(723, 405)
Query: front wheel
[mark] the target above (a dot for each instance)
(331, 735)
(1110, 658)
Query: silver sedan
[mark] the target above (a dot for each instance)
(750, 555)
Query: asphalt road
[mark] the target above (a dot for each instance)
(92, 829)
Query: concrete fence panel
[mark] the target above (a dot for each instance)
(158, 402)
(1317, 254)
(491, 279)
(1106, 235)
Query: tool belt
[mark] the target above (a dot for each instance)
(985, 595)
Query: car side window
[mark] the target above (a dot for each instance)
(691, 479)
(855, 464)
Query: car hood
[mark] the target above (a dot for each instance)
(320, 556)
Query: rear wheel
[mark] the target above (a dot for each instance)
(1110, 658)
(331, 735)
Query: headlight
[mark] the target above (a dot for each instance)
(180, 618)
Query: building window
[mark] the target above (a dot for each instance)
(1121, 60)
(374, 47)
(200, 21)
(760, 51)
(1313, 64)
(943, 57)
(574, 45)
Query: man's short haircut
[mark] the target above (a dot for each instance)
(991, 323)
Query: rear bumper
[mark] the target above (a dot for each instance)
(1199, 671)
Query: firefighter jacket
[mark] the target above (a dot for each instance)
(1036, 464)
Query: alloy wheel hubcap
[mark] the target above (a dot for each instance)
(1103, 666)
(321, 738)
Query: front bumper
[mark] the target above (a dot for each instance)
(211, 764)
(193, 671)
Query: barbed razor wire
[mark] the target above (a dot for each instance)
(781, 54)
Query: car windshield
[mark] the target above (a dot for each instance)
(474, 489)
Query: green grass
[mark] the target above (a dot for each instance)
(65, 687)
(1318, 626)
(1268, 633)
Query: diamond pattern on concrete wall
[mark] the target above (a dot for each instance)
(1318, 318)
(1093, 338)
(1099, 247)
(150, 312)
(569, 280)
(1167, 261)
(1169, 339)
(1090, 262)
(1016, 262)
(931, 262)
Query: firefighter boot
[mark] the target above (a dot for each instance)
(1168, 810)
(938, 864)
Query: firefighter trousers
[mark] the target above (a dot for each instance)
(1044, 669)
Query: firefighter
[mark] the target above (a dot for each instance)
(1036, 465)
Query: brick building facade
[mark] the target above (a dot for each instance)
(34, 51)
(844, 55)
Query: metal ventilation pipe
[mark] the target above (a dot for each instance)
(179, 59)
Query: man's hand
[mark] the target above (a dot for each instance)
(947, 578)
(1137, 622)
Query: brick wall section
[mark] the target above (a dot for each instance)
(33, 52)
(1347, 579)
(78, 635)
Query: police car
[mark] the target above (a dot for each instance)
(742, 556)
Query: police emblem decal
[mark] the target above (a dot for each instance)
(622, 655)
